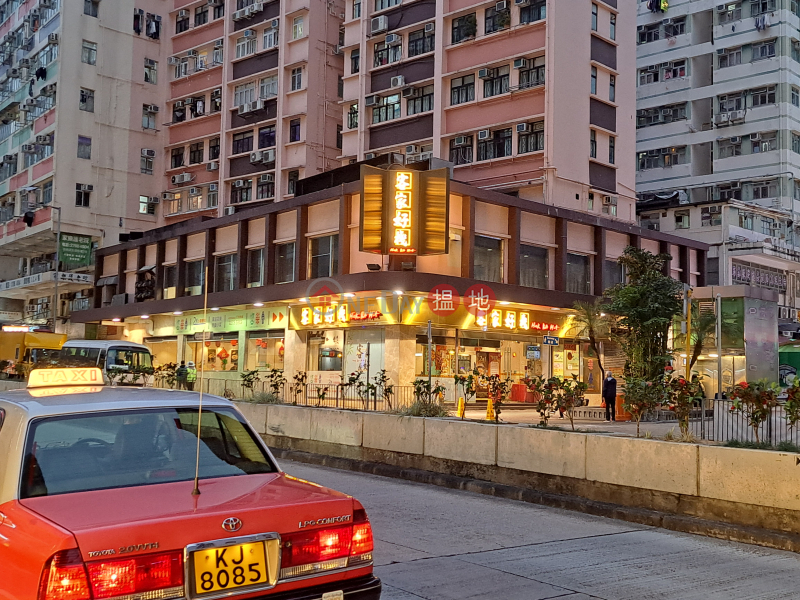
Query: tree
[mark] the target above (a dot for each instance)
(645, 308)
(592, 322)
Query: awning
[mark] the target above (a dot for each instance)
(147, 268)
(107, 281)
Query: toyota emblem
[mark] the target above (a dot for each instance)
(232, 524)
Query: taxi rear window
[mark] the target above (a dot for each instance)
(77, 453)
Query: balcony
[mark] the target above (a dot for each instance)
(42, 284)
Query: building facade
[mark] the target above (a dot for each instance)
(718, 137)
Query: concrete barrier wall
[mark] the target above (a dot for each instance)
(728, 475)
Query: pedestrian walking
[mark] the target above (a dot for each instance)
(610, 396)
(191, 375)
(180, 374)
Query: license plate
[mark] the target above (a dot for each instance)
(232, 567)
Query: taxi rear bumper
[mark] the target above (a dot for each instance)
(362, 588)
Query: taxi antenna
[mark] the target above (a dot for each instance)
(196, 490)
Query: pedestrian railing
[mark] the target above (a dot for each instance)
(720, 423)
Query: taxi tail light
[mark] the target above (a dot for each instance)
(316, 546)
(64, 576)
(137, 574)
(362, 541)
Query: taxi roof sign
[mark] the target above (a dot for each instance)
(65, 377)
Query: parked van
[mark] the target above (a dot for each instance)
(109, 355)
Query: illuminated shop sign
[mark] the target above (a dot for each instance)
(404, 212)
(513, 319)
(335, 315)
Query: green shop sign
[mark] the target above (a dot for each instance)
(237, 320)
(75, 250)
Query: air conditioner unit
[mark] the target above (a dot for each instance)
(192, 53)
(736, 139)
(520, 63)
(735, 185)
(52, 38)
(369, 155)
(182, 14)
(249, 11)
(248, 33)
(86, 187)
(45, 4)
(274, 23)
(502, 5)
(609, 200)
(216, 93)
(411, 149)
(410, 92)
(735, 115)
(148, 153)
(176, 179)
(372, 100)
(755, 137)
(523, 127)
(267, 178)
(29, 148)
(212, 187)
(153, 108)
(269, 156)
(34, 13)
(430, 27)
(14, 72)
(195, 191)
(379, 24)
(393, 39)
(424, 156)
(522, 2)
(219, 43)
(149, 62)
(167, 196)
(213, 166)
(720, 51)
(256, 105)
(189, 100)
(720, 118)
(239, 15)
(238, 183)
(713, 210)
(178, 104)
(10, 158)
(411, 158)
(212, 3)
(44, 139)
(461, 140)
(485, 134)
(398, 81)
(30, 102)
(485, 73)
(229, 210)
(243, 109)
(173, 60)
(666, 112)
(153, 200)
(255, 157)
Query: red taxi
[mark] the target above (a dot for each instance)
(98, 499)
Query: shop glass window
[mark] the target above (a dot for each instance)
(255, 267)
(388, 110)
(462, 89)
(263, 352)
(422, 103)
(531, 140)
(461, 150)
(579, 278)
(420, 42)
(284, 263)
(488, 263)
(225, 273)
(498, 83)
(176, 158)
(533, 266)
(324, 253)
(464, 28)
(497, 146)
(535, 11)
(170, 283)
(195, 278)
(613, 273)
(196, 153)
(266, 137)
(242, 142)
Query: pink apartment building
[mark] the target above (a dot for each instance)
(531, 97)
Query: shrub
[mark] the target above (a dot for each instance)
(755, 401)
(266, 398)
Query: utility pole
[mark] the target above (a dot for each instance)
(57, 261)
(688, 293)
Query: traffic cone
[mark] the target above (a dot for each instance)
(461, 408)
(489, 410)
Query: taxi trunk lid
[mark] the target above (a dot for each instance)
(134, 520)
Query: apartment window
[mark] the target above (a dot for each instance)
(730, 58)
(216, 57)
(89, 53)
(533, 75)
(225, 273)
(579, 278)
(764, 142)
(488, 257)
(356, 9)
(265, 189)
(146, 165)
(675, 70)
(730, 147)
(593, 86)
(612, 89)
(768, 226)
(387, 54)
(759, 7)
(731, 102)
(594, 17)
(531, 140)
(730, 12)
(663, 114)
(650, 33)
(665, 157)
(384, 4)
(244, 94)
(535, 11)
(420, 42)
(195, 278)
(746, 220)
(763, 96)
(462, 89)
(612, 149)
(148, 118)
(681, 219)
(146, 207)
(284, 263)
(176, 158)
(84, 147)
(589, 201)
(352, 117)
(533, 266)
(182, 68)
(498, 83)
(464, 28)
(710, 216)
(242, 193)
(651, 221)
(245, 46)
(339, 87)
(178, 112)
(294, 130)
(423, 102)
(677, 27)
(388, 109)
(86, 102)
(242, 142)
(461, 150)
(763, 50)
(271, 38)
(213, 149)
(795, 96)
(291, 182)
(297, 78)
(497, 146)
(196, 153)
(612, 27)
(795, 143)
(150, 71)
(182, 22)
(339, 141)
(355, 61)
(216, 100)
(592, 144)
(201, 15)
(152, 26)
(82, 195)
(297, 28)
(219, 11)
(496, 20)
(90, 7)
(266, 137)
(324, 255)
(255, 267)
(765, 190)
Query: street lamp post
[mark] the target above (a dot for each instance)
(57, 261)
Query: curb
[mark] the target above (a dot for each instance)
(641, 516)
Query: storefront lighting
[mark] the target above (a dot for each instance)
(602, 314)
(116, 319)
(214, 308)
(398, 292)
(349, 295)
(178, 313)
(504, 303)
(554, 308)
(418, 354)
(683, 356)
(144, 316)
(714, 355)
(258, 304)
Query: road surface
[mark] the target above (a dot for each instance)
(439, 544)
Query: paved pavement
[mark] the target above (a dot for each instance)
(439, 544)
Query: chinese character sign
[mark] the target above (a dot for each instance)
(402, 219)
(75, 250)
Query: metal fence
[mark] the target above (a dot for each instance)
(721, 424)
